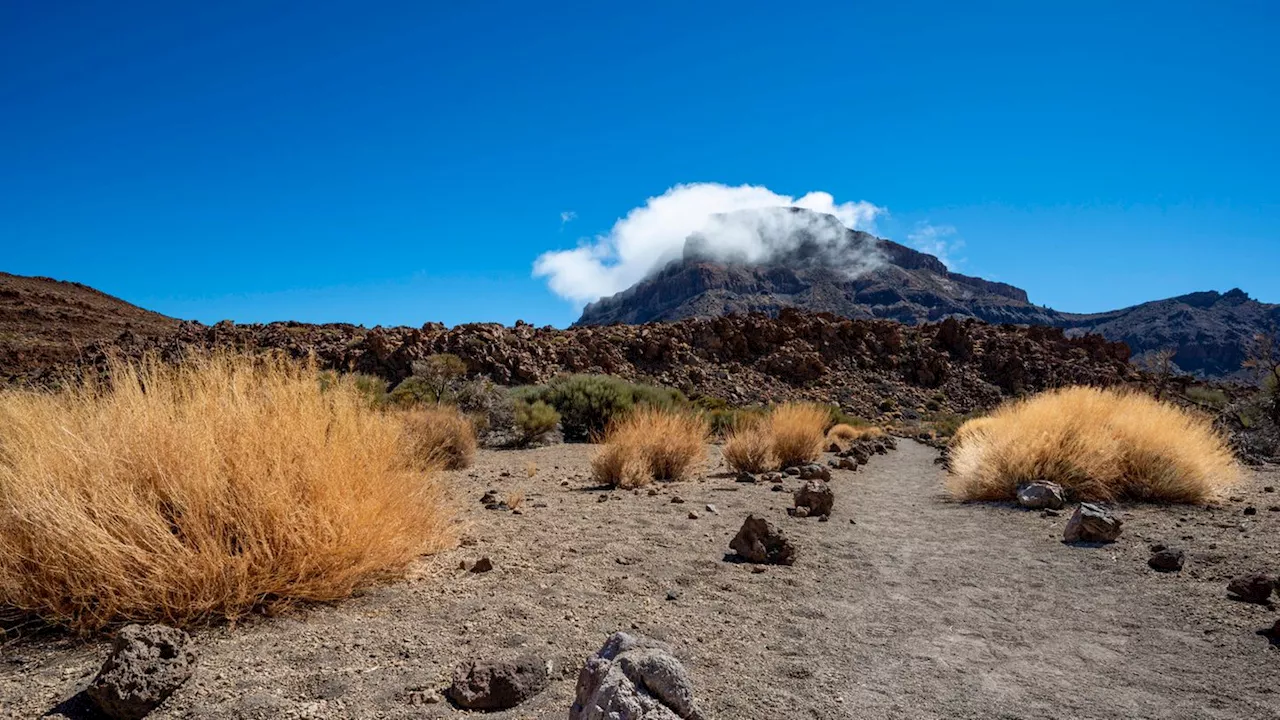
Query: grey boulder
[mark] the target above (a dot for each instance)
(146, 665)
(1040, 495)
(633, 678)
(1092, 524)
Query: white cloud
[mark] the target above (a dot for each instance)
(653, 234)
(941, 241)
(567, 217)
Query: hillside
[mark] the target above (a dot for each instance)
(1210, 331)
(46, 322)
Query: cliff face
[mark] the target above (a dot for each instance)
(1209, 331)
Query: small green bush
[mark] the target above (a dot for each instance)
(945, 424)
(411, 391)
(370, 387)
(588, 403)
(534, 420)
(840, 417)
(442, 373)
(1209, 397)
(724, 421)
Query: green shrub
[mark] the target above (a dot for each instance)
(724, 421)
(442, 374)
(370, 387)
(1207, 396)
(587, 403)
(840, 417)
(945, 424)
(411, 391)
(533, 420)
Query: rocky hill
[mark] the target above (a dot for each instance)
(872, 368)
(1209, 331)
(46, 322)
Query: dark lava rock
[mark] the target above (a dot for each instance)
(1040, 495)
(497, 684)
(147, 664)
(1092, 524)
(1254, 587)
(483, 565)
(791, 471)
(1166, 560)
(817, 496)
(814, 471)
(760, 541)
(633, 678)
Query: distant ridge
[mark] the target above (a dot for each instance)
(46, 322)
(1208, 330)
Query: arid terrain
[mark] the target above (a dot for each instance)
(905, 605)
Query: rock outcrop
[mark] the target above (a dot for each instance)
(633, 678)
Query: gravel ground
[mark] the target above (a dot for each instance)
(904, 605)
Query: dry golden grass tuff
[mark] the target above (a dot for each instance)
(798, 432)
(651, 444)
(845, 433)
(1102, 445)
(750, 449)
(441, 436)
(203, 491)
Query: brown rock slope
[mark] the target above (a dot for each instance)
(46, 322)
(868, 366)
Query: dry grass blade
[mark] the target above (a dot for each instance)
(1101, 444)
(203, 491)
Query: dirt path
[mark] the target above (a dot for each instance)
(920, 608)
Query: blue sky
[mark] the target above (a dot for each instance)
(397, 163)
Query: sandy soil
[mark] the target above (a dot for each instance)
(904, 605)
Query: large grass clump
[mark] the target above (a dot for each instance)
(204, 491)
(1101, 445)
(798, 431)
(750, 449)
(440, 436)
(791, 434)
(651, 444)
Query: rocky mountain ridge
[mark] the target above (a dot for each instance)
(1209, 331)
